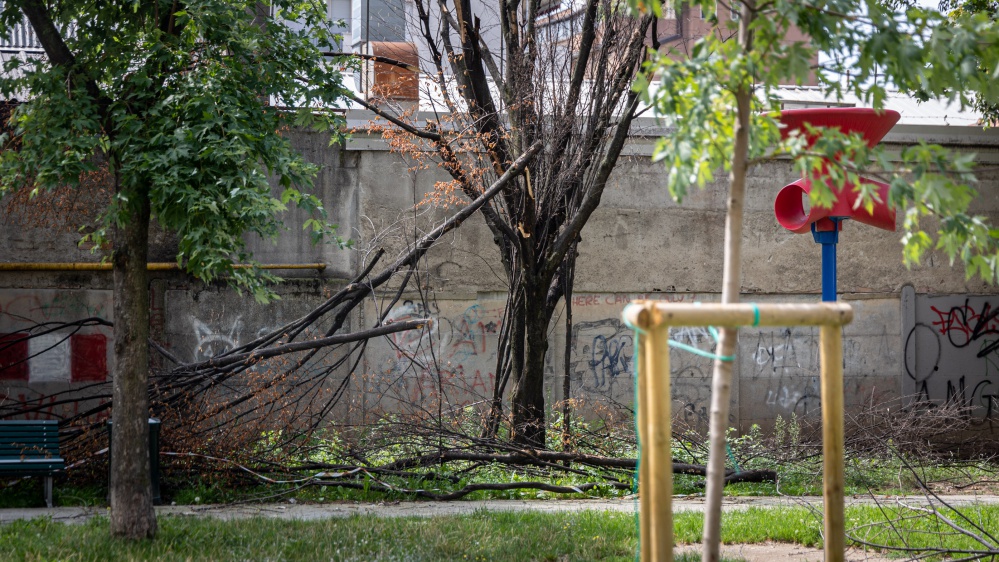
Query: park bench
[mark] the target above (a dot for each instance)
(31, 448)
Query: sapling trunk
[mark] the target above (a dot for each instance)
(721, 380)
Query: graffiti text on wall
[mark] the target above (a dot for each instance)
(952, 353)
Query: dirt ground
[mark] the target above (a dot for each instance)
(776, 551)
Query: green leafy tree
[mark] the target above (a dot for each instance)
(173, 97)
(723, 112)
(962, 8)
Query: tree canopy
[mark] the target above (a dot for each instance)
(867, 48)
(958, 8)
(175, 97)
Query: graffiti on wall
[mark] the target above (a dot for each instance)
(787, 363)
(603, 355)
(781, 367)
(216, 336)
(952, 353)
(452, 360)
(603, 365)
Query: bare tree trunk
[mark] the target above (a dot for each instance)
(528, 392)
(569, 278)
(132, 514)
(721, 380)
(581, 109)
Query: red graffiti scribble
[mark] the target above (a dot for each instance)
(37, 410)
(479, 385)
(962, 324)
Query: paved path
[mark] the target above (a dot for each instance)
(430, 509)
(767, 552)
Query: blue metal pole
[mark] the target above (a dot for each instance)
(829, 272)
(828, 239)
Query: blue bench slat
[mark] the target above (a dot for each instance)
(27, 451)
(31, 462)
(21, 437)
(30, 447)
(20, 454)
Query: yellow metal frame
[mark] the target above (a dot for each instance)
(653, 320)
(155, 266)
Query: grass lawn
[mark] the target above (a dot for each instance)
(481, 536)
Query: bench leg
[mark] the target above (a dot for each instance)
(48, 491)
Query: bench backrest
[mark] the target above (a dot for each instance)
(29, 438)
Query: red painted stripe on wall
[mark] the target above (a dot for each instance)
(89, 357)
(13, 357)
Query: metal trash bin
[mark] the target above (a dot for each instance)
(154, 458)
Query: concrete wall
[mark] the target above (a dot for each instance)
(926, 332)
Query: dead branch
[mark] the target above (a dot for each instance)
(249, 358)
(550, 458)
(468, 489)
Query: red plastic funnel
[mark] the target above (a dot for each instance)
(789, 207)
(870, 123)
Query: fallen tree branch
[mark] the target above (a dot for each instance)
(254, 356)
(468, 489)
(545, 458)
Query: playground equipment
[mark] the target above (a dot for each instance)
(825, 224)
(652, 320)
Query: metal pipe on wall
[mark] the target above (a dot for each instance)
(156, 266)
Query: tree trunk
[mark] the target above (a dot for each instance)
(529, 391)
(132, 514)
(566, 354)
(721, 380)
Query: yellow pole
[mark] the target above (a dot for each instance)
(654, 313)
(656, 474)
(645, 342)
(832, 441)
(660, 461)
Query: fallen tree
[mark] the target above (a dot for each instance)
(178, 395)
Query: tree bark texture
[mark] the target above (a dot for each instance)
(528, 393)
(132, 514)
